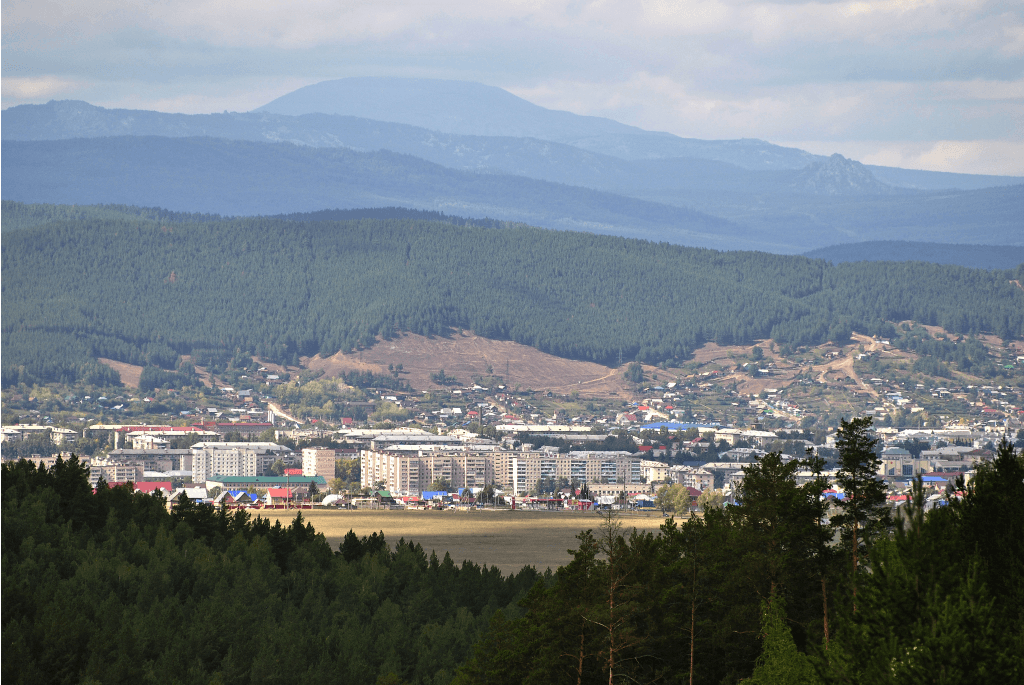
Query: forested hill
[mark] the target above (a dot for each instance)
(18, 215)
(974, 256)
(145, 291)
(209, 175)
(708, 205)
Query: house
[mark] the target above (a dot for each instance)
(155, 486)
(384, 498)
(194, 494)
(236, 498)
(279, 496)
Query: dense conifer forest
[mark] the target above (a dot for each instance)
(110, 587)
(142, 290)
(786, 587)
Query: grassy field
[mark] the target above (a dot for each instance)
(506, 539)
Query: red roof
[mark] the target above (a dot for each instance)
(293, 472)
(147, 429)
(645, 448)
(153, 486)
(279, 492)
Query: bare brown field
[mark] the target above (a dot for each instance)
(465, 355)
(712, 352)
(506, 539)
(129, 373)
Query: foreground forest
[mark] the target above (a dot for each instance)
(110, 587)
(783, 588)
(145, 288)
(787, 587)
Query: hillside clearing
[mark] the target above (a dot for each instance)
(466, 355)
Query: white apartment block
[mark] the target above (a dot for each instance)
(318, 461)
(410, 470)
(581, 467)
(655, 471)
(115, 471)
(234, 459)
(693, 478)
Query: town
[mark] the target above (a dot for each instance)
(668, 465)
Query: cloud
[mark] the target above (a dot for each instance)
(902, 70)
(830, 111)
(36, 88)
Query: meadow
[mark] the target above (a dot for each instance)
(503, 538)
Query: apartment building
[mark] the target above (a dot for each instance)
(318, 461)
(248, 459)
(696, 478)
(619, 468)
(115, 471)
(410, 469)
(655, 471)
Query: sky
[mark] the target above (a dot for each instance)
(926, 84)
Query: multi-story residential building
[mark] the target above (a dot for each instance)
(156, 460)
(410, 469)
(697, 478)
(527, 468)
(655, 471)
(58, 436)
(234, 459)
(318, 461)
(115, 471)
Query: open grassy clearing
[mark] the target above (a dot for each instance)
(465, 355)
(506, 539)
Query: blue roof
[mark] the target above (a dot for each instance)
(673, 426)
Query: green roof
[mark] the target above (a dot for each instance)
(269, 480)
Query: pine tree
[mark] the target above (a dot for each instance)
(863, 515)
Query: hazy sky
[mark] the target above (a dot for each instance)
(934, 84)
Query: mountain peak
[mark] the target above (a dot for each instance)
(838, 175)
(458, 107)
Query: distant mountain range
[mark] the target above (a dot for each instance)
(539, 156)
(479, 151)
(465, 108)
